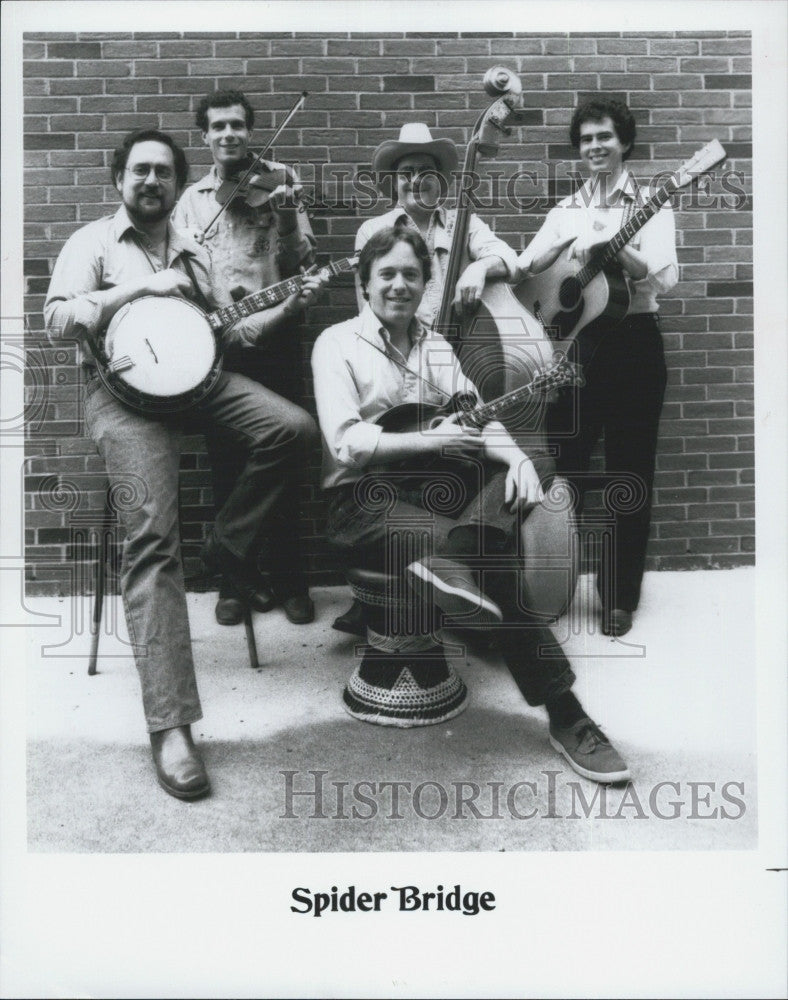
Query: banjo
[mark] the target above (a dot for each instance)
(162, 354)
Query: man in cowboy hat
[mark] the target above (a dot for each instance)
(422, 168)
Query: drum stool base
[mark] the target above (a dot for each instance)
(404, 689)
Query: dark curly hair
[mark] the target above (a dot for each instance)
(223, 99)
(121, 155)
(594, 110)
(384, 241)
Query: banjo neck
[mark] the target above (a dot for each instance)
(274, 294)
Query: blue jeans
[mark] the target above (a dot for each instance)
(275, 435)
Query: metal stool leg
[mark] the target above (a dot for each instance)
(99, 576)
(251, 642)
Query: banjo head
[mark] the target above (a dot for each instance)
(161, 353)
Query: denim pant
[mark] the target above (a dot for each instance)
(625, 380)
(139, 449)
(461, 515)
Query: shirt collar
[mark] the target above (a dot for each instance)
(440, 211)
(373, 330)
(626, 188)
(178, 242)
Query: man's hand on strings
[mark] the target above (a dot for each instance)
(470, 286)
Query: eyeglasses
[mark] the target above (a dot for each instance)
(141, 171)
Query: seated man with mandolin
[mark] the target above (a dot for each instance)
(257, 234)
(386, 357)
(121, 261)
(421, 168)
(621, 351)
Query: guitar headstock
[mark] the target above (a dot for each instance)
(561, 372)
(706, 158)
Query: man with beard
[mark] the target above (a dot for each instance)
(253, 246)
(103, 266)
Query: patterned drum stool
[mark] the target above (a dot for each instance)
(403, 678)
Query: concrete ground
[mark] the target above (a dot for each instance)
(676, 695)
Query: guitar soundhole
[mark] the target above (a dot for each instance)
(570, 292)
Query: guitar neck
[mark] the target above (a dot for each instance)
(273, 295)
(608, 251)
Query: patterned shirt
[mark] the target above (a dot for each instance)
(247, 253)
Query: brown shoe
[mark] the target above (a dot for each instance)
(179, 767)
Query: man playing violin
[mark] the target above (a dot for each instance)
(386, 356)
(624, 364)
(421, 168)
(103, 266)
(262, 237)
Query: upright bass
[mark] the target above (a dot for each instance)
(502, 348)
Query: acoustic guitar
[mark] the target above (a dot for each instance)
(568, 297)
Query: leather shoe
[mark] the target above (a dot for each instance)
(179, 767)
(616, 622)
(243, 580)
(299, 608)
(262, 598)
(352, 621)
(229, 611)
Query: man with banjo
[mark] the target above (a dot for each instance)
(385, 357)
(257, 232)
(118, 263)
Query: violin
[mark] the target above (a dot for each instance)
(255, 189)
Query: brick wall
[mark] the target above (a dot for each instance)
(83, 92)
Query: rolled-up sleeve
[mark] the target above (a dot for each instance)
(74, 303)
(547, 235)
(350, 441)
(482, 243)
(658, 248)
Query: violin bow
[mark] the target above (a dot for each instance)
(256, 161)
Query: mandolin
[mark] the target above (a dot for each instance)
(417, 416)
(566, 298)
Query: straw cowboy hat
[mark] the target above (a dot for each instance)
(415, 138)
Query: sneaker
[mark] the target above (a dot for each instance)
(589, 751)
(453, 588)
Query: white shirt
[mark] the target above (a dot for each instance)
(585, 214)
(482, 243)
(356, 381)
